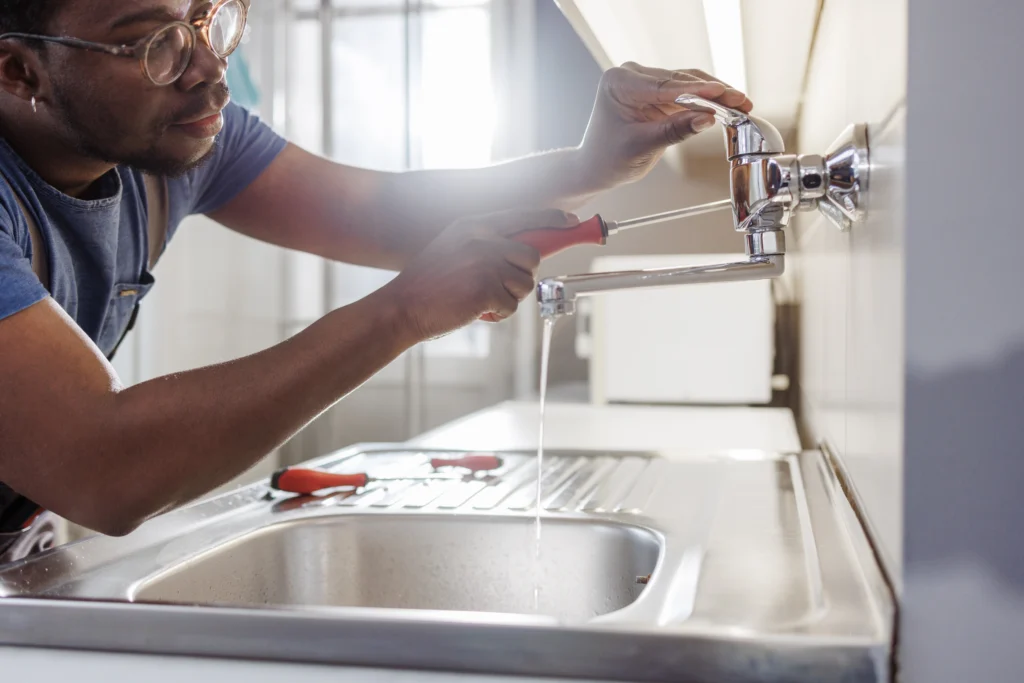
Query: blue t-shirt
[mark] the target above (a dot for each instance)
(97, 249)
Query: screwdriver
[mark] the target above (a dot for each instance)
(597, 230)
(306, 481)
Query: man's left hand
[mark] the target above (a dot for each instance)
(636, 117)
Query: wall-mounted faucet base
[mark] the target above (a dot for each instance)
(848, 165)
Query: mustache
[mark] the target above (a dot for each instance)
(212, 97)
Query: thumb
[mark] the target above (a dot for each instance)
(678, 127)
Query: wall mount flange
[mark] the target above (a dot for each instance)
(848, 165)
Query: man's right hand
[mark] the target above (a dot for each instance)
(473, 268)
(80, 444)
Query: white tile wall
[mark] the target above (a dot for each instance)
(851, 285)
(218, 297)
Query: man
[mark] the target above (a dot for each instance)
(98, 98)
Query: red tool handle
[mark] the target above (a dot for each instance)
(298, 480)
(550, 241)
(473, 463)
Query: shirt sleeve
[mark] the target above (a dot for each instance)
(19, 286)
(245, 147)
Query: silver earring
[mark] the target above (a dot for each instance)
(34, 109)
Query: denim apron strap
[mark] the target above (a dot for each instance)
(156, 236)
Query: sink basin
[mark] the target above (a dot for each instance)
(584, 569)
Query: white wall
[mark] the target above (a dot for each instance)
(217, 298)
(850, 285)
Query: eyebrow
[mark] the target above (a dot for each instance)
(155, 14)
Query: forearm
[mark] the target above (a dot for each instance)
(412, 208)
(379, 219)
(165, 442)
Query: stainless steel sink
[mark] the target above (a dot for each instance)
(579, 570)
(759, 570)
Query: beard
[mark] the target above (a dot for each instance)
(98, 133)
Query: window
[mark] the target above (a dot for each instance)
(408, 85)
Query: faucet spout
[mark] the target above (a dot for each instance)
(558, 295)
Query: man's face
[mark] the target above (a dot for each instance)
(110, 111)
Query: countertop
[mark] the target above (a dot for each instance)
(666, 430)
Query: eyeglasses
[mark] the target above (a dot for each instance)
(166, 53)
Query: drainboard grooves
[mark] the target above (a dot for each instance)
(460, 495)
(513, 463)
(635, 501)
(501, 489)
(583, 482)
(394, 493)
(362, 499)
(616, 485)
(426, 493)
(564, 481)
(526, 497)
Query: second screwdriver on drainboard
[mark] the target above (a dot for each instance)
(306, 481)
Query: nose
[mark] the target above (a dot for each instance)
(206, 68)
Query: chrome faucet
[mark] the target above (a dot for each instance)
(767, 186)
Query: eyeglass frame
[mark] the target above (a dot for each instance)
(198, 27)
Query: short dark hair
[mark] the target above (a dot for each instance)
(26, 16)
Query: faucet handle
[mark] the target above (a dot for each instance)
(744, 133)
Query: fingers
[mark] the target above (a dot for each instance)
(704, 75)
(679, 127)
(732, 98)
(661, 86)
(512, 286)
(523, 257)
(636, 89)
(517, 283)
(508, 223)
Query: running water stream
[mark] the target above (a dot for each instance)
(545, 358)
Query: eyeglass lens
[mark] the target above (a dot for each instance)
(170, 51)
(226, 28)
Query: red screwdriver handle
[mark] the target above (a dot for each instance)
(550, 241)
(298, 480)
(473, 463)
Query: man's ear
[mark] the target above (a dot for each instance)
(21, 70)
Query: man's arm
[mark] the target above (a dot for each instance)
(371, 218)
(75, 441)
(365, 217)
(79, 444)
